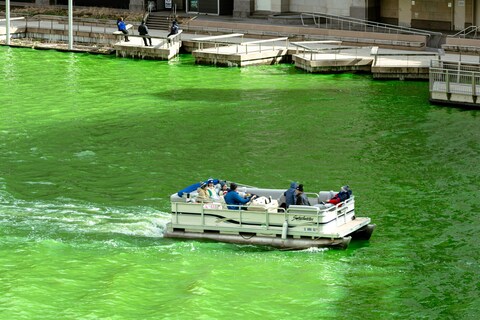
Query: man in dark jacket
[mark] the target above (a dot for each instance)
(143, 31)
(344, 194)
(302, 199)
(173, 29)
(290, 195)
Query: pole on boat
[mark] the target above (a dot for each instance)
(70, 24)
(7, 18)
(285, 229)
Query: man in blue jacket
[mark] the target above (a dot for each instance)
(290, 195)
(122, 27)
(233, 197)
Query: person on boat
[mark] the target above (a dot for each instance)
(235, 199)
(223, 189)
(202, 193)
(344, 194)
(122, 27)
(212, 191)
(290, 195)
(301, 198)
(143, 31)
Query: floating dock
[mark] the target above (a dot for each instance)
(455, 83)
(222, 52)
(382, 64)
(161, 48)
(330, 56)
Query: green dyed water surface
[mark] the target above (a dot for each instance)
(92, 147)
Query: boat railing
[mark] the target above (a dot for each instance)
(339, 210)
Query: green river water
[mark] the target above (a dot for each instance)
(91, 147)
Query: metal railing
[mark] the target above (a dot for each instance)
(330, 21)
(80, 24)
(469, 32)
(454, 77)
(308, 50)
(256, 46)
(217, 41)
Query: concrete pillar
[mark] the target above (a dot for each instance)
(476, 7)
(243, 8)
(136, 5)
(405, 13)
(279, 6)
(358, 9)
(459, 15)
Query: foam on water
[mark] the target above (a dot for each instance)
(78, 217)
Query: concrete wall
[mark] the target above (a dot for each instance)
(137, 5)
(280, 5)
(243, 8)
(405, 13)
(388, 11)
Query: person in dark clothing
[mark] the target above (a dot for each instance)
(301, 197)
(344, 194)
(173, 29)
(143, 31)
(123, 28)
(234, 199)
(290, 195)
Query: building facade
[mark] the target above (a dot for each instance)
(422, 14)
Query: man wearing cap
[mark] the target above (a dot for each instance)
(212, 191)
(302, 199)
(233, 197)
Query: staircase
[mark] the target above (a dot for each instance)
(158, 21)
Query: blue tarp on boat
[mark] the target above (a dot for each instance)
(195, 186)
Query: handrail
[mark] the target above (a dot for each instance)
(465, 32)
(457, 65)
(259, 43)
(366, 24)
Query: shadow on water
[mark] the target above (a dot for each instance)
(239, 95)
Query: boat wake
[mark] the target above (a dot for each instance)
(67, 218)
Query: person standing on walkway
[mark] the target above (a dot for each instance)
(143, 31)
(123, 28)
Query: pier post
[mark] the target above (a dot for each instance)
(7, 25)
(70, 24)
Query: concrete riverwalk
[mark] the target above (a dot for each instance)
(211, 40)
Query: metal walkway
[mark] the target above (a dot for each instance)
(330, 21)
